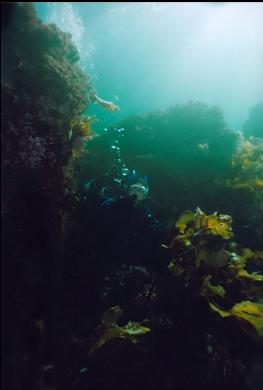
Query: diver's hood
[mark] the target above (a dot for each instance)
(134, 178)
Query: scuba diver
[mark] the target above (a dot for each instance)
(111, 188)
(121, 209)
(138, 185)
(126, 223)
(131, 185)
(119, 182)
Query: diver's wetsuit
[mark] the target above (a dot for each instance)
(131, 234)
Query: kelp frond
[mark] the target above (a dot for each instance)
(109, 329)
(249, 314)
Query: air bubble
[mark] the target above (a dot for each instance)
(125, 171)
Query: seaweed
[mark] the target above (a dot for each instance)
(42, 89)
(247, 165)
(197, 262)
(251, 313)
(68, 259)
(253, 126)
(109, 329)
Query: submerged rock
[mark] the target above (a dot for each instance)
(42, 88)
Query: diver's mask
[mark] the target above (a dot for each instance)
(139, 190)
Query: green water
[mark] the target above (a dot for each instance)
(132, 200)
(147, 56)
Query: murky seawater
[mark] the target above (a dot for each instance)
(132, 200)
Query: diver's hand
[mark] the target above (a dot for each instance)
(106, 104)
(113, 107)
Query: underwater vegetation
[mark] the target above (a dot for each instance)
(81, 132)
(191, 157)
(247, 165)
(109, 328)
(215, 267)
(42, 89)
(199, 223)
(250, 312)
(95, 298)
(254, 124)
(188, 154)
(179, 141)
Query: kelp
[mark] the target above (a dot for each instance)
(81, 126)
(249, 314)
(175, 268)
(80, 133)
(239, 262)
(253, 276)
(213, 268)
(193, 240)
(109, 329)
(185, 220)
(192, 224)
(209, 289)
(211, 257)
(247, 165)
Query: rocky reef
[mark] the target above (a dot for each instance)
(191, 157)
(254, 123)
(101, 290)
(200, 295)
(42, 89)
